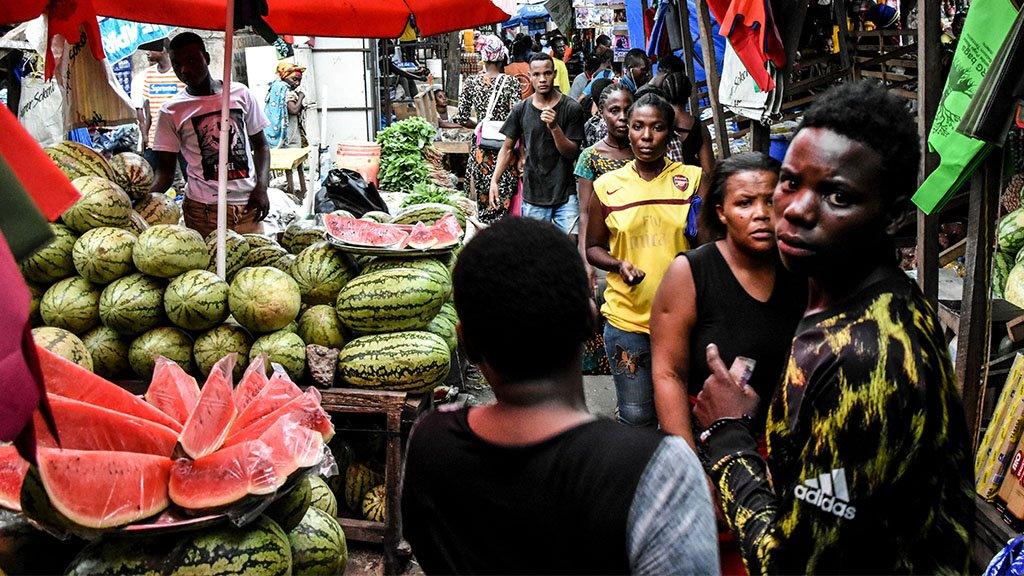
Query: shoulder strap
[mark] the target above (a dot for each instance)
(494, 96)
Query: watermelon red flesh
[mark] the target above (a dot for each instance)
(305, 409)
(103, 489)
(364, 232)
(446, 231)
(279, 391)
(82, 426)
(12, 473)
(209, 423)
(293, 446)
(421, 237)
(254, 379)
(224, 477)
(172, 390)
(70, 380)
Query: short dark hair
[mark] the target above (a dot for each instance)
(636, 57)
(598, 87)
(868, 113)
(592, 64)
(671, 64)
(602, 99)
(652, 99)
(677, 88)
(541, 56)
(725, 169)
(603, 40)
(522, 298)
(185, 39)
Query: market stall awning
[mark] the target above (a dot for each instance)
(527, 12)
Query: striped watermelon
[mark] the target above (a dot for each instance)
(402, 361)
(63, 344)
(138, 224)
(321, 271)
(258, 548)
(428, 214)
(377, 216)
(133, 174)
(54, 261)
(71, 304)
(263, 299)
(359, 479)
(302, 233)
(259, 240)
(237, 249)
(319, 325)
(168, 250)
(391, 301)
(37, 292)
(284, 348)
(289, 509)
(124, 556)
(108, 350)
(75, 160)
(103, 203)
(133, 304)
(265, 255)
(159, 209)
(321, 496)
(444, 328)
(448, 311)
(285, 263)
(375, 504)
(217, 343)
(103, 255)
(196, 300)
(171, 343)
(1001, 266)
(318, 545)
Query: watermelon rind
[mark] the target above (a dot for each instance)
(103, 203)
(63, 344)
(289, 509)
(265, 255)
(108, 350)
(259, 240)
(260, 548)
(376, 216)
(431, 265)
(71, 304)
(196, 300)
(37, 291)
(218, 342)
(171, 343)
(168, 250)
(263, 299)
(321, 496)
(285, 263)
(237, 248)
(392, 300)
(359, 479)
(284, 348)
(428, 214)
(375, 504)
(53, 261)
(133, 174)
(318, 545)
(320, 325)
(76, 159)
(133, 304)
(414, 361)
(321, 271)
(158, 209)
(103, 255)
(122, 556)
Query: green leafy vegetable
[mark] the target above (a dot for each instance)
(402, 165)
(427, 193)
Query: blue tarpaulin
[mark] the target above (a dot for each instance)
(698, 54)
(527, 12)
(122, 38)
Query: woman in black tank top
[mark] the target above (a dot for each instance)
(733, 292)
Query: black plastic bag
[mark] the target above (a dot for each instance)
(347, 190)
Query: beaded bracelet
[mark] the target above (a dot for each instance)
(745, 419)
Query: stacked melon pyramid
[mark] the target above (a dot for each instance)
(120, 459)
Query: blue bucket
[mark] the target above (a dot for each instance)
(778, 145)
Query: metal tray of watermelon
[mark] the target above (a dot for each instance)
(392, 252)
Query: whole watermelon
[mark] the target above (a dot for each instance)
(1001, 266)
(288, 510)
(35, 318)
(108, 350)
(171, 343)
(431, 265)
(1014, 291)
(318, 545)
(64, 344)
(285, 263)
(103, 255)
(71, 304)
(263, 299)
(320, 325)
(54, 261)
(375, 504)
(376, 216)
(76, 159)
(300, 234)
(259, 240)
(1010, 233)
(217, 343)
(444, 328)
(321, 271)
(168, 250)
(259, 548)
(391, 300)
(133, 174)
(359, 479)
(138, 225)
(113, 556)
(133, 304)
(322, 497)
(265, 255)
(403, 361)
(158, 209)
(103, 203)
(284, 348)
(236, 249)
(196, 300)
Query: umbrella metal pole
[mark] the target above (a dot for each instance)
(225, 142)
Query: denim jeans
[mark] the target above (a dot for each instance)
(566, 216)
(629, 355)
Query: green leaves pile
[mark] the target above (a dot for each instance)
(402, 165)
(428, 193)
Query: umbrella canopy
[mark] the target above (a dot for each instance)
(527, 12)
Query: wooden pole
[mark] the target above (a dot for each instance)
(929, 91)
(225, 140)
(707, 47)
(688, 54)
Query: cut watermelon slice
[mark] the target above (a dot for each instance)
(83, 426)
(421, 237)
(447, 231)
(224, 477)
(103, 489)
(172, 390)
(305, 409)
(209, 423)
(292, 446)
(70, 380)
(12, 474)
(254, 379)
(278, 392)
(364, 232)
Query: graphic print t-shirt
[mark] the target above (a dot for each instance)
(191, 125)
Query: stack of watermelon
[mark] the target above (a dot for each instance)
(1007, 268)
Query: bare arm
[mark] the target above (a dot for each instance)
(673, 316)
(585, 191)
(707, 160)
(165, 163)
(295, 104)
(504, 159)
(567, 148)
(144, 123)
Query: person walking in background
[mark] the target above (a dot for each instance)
(595, 128)
(603, 72)
(151, 88)
(488, 96)
(637, 223)
(636, 70)
(189, 124)
(545, 486)
(520, 66)
(869, 466)
(583, 78)
(284, 107)
(558, 50)
(549, 127)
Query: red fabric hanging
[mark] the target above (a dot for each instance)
(751, 31)
(49, 188)
(70, 18)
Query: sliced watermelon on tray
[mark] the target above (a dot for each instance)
(224, 477)
(84, 426)
(305, 408)
(421, 238)
(172, 390)
(254, 379)
(278, 392)
(12, 473)
(70, 380)
(209, 423)
(364, 232)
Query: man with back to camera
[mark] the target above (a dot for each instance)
(636, 69)
(869, 458)
(550, 127)
(189, 124)
(545, 487)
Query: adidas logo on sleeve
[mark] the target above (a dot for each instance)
(828, 492)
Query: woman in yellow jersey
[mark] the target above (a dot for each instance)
(638, 222)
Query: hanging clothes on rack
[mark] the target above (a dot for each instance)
(750, 27)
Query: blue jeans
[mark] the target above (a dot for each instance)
(629, 355)
(566, 216)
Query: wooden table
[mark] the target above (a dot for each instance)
(446, 147)
(287, 160)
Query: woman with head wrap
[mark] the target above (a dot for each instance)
(284, 104)
(476, 101)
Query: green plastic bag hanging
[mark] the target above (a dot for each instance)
(988, 23)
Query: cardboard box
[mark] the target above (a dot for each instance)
(1002, 435)
(1011, 492)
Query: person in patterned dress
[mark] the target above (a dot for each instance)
(473, 102)
(869, 467)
